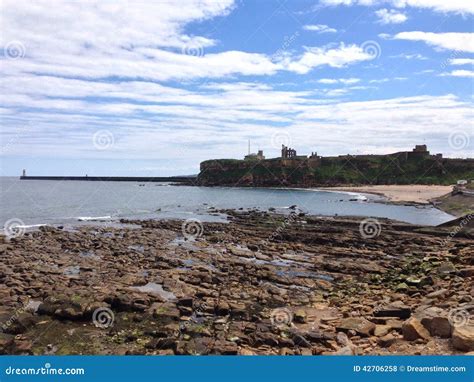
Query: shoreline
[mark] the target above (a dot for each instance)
(417, 194)
(261, 284)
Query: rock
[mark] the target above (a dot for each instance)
(318, 336)
(225, 347)
(222, 308)
(128, 303)
(463, 337)
(401, 287)
(395, 325)
(436, 321)
(387, 340)
(300, 341)
(268, 339)
(342, 339)
(20, 323)
(300, 316)
(346, 350)
(446, 268)
(413, 329)
(358, 324)
(166, 312)
(395, 309)
(413, 281)
(440, 327)
(438, 293)
(186, 302)
(161, 343)
(66, 308)
(381, 330)
(253, 247)
(467, 272)
(22, 346)
(6, 340)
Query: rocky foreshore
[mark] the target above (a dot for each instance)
(261, 284)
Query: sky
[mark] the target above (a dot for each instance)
(152, 88)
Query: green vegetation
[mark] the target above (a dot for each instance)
(343, 170)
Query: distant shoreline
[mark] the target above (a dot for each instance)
(419, 194)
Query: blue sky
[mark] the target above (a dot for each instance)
(154, 88)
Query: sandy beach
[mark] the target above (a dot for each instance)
(401, 193)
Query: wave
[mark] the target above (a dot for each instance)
(25, 226)
(92, 218)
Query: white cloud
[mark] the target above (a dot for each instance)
(406, 56)
(463, 42)
(461, 61)
(390, 16)
(146, 42)
(383, 80)
(62, 89)
(345, 81)
(459, 73)
(336, 58)
(455, 6)
(320, 28)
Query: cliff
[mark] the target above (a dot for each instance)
(398, 168)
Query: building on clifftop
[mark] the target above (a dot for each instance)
(253, 156)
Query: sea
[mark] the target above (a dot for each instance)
(43, 202)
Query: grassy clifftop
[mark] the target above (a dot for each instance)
(336, 171)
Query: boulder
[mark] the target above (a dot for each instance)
(225, 348)
(435, 320)
(165, 312)
(463, 337)
(413, 329)
(66, 308)
(359, 324)
(382, 330)
(395, 309)
(300, 316)
(387, 340)
(446, 268)
(128, 302)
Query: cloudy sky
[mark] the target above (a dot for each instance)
(155, 87)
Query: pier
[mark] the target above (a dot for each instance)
(174, 179)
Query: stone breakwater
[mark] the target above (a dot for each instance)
(261, 284)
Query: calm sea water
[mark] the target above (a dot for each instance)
(69, 202)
